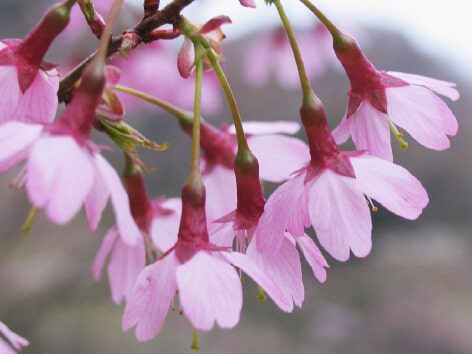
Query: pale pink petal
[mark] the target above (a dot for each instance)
(275, 127)
(15, 140)
(103, 251)
(152, 296)
(422, 114)
(96, 199)
(5, 348)
(60, 175)
(262, 278)
(278, 156)
(342, 132)
(127, 228)
(285, 270)
(164, 228)
(313, 256)
(370, 131)
(391, 185)
(221, 235)
(209, 290)
(10, 92)
(340, 215)
(15, 340)
(220, 186)
(39, 102)
(284, 209)
(444, 88)
(126, 262)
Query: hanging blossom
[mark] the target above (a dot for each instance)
(156, 220)
(64, 168)
(379, 100)
(202, 274)
(16, 341)
(328, 194)
(28, 86)
(278, 155)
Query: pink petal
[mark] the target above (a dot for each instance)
(278, 156)
(275, 127)
(151, 298)
(164, 228)
(391, 185)
(15, 141)
(220, 186)
(313, 256)
(39, 103)
(186, 58)
(423, 115)
(285, 209)
(285, 270)
(60, 175)
(340, 215)
(126, 262)
(209, 290)
(248, 3)
(444, 88)
(103, 251)
(262, 278)
(127, 228)
(5, 348)
(15, 340)
(370, 131)
(214, 24)
(342, 132)
(96, 200)
(10, 93)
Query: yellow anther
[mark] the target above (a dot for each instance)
(195, 345)
(397, 134)
(261, 296)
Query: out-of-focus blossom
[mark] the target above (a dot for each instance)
(16, 341)
(28, 86)
(380, 100)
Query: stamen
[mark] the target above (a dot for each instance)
(261, 296)
(373, 207)
(398, 135)
(26, 227)
(19, 181)
(195, 345)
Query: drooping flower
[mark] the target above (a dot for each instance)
(28, 86)
(64, 168)
(208, 286)
(328, 194)
(155, 219)
(16, 341)
(379, 101)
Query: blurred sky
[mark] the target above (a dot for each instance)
(441, 28)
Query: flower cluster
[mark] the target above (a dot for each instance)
(197, 247)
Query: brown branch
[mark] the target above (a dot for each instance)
(168, 15)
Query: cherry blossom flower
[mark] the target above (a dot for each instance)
(248, 3)
(328, 194)
(379, 100)
(16, 341)
(208, 286)
(28, 85)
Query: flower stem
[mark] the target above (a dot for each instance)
(195, 158)
(181, 115)
(195, 345)
(305, 83)
(242, 143)
(335, 32)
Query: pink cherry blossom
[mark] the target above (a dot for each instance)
(126, 262)
(380, 100)
(61, 175)
(16, 341)
(248, 3)
(334, 204)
